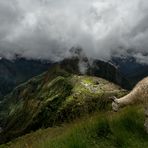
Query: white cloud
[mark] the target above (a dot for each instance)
(49, 28)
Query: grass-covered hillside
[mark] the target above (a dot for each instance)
(103, 129)
(53, 98)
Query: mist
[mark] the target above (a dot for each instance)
(47, 29)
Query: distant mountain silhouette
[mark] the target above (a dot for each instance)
(131, 70)
(14, 72)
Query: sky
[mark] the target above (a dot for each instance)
(47, 29)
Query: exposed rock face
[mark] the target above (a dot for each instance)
(97, 68)
(80, 64)
(110, 72)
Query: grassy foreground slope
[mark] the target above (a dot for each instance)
(100, 130)
(52, 98)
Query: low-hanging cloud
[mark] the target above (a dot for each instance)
(47, 29)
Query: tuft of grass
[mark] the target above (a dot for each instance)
(102, 129)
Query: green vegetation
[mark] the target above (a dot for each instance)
(99, 130)
(76, 108)
(53, 98)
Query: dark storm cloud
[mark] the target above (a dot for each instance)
(47, 29)
(8, 17)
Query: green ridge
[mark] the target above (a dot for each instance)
(53, 98)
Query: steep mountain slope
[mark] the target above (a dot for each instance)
(130, 69)
(14, 72)
(126, 73)
(97, 68)
(52, 98)
(110, 72)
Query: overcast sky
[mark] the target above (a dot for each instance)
(47, 29)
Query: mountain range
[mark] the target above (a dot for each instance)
(131, 69)
(40, 94)
(14, 72)
(56, 96)
(125, 72)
